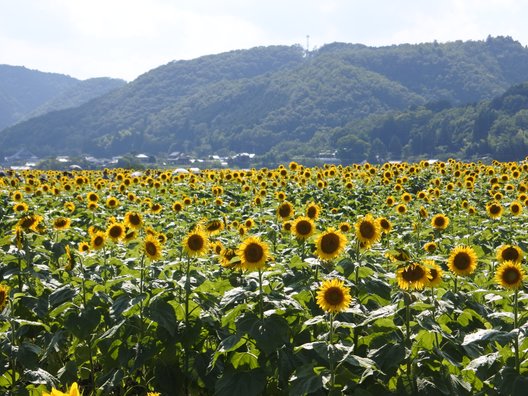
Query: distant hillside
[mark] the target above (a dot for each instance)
(25, 93)
(279, 101)
(496, 128)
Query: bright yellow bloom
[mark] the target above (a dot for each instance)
(509, 253)
(152, 247)
(196, 243)
(333, 296)
(330, 244)
(302, 228)
(253, 253)
(4, 296)
(368, 230)
(412, 277)
(74, 391)
(462, 260)
(510, 275)
(440, 221)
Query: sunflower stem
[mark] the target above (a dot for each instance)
(433, 300)
(515, 328)
(331, 351)
(89, 340)
(408, 342)
(185, 340)
(261, 303)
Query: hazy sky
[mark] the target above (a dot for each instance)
(125, 38)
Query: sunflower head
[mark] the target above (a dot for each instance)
(494, 209)
(430, 247)
(73, 391)
(70, 259)
(61, 223)
(413, 276)
(516, 208)
(4, 296)
(509, 253)
(152, 247)
(84, 247)
(333, 296)
(384, 224)
(285, 210)
(196, 243)
(462, 260)
(368, 230)
(133, 220)
(214, 226)
(302, 228)
(330, 244)
(313, 210)
(115, 231)
(510, 275)
(440, 222)
(226, 258)
(253, 253)
(98, 240)
(435, 273)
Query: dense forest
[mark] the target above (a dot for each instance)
(465, 99)
(26, 93)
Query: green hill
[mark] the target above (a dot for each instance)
(25, 93)
(281, 102)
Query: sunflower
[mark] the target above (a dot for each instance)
(20, 207)
(344, 227)
(313, 210)
(390, 201)
(330, 244)
(30, 222)
(385, 224)
(253, 253)
(430, 247)
(61, 223)
(69, 206)
(92, 197)
(112, 202)
(494, 209)
(156, 208)
(516, 208)
(4, 296)
(440, 221)
(70, 259)
(115, 231)
(98, 240)
(412, 277)
(509, 253)
(302, 228)
(84, 247)
(285, 210)
(368, 230)
(196, 243)
(17, 196)
(462, 260)
(226, 258)
(74, 391)
(133, 220)
(333, 296)
(177, 206)
(152, 247)
(401, 209)
(510, 275)
(214, 226)
(435, 273)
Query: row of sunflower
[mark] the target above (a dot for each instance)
(395, 278)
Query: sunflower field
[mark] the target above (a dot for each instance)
(399, 278)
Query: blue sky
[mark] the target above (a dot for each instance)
(125, 38)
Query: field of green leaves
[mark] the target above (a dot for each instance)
(362, 280)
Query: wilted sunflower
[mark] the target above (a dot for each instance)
(115, 231)
(4, 296)
(30, 222)
(98, 240)
(368, 230)
(494, 209)
(510, 275)
(253, 253)
(413, 276)
(61, 223)
(462, 260)
(70, 259)
(133, 220)
(226, 258)
(435, 273)
(330, 244)
(509, 253)
(285, 210)
(302, 228)
(196, 244)
(214, 226)
(313, 210)
(440, 221)
(152, 247)
(333, 296)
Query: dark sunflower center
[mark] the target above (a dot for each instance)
(384, 224)
(334, 296)
(515, 208)
(253, 253)
(27, 222)
(433, 274)
(98, 241)
(494, 209)
(401, 209)
(413, 273)
(303, 227)
(3, 297)
(134, 219)
(367, 230)
(462, 261)
(330, 243)
(213, 226)
(511, 276)
(311, 212)
(229, 254)
(284, 210)
(510, 253)
(116, 232)
(195, 242)
(151, 249)
(439, 221)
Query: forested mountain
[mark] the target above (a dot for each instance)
(281, 101)
(25, 93)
